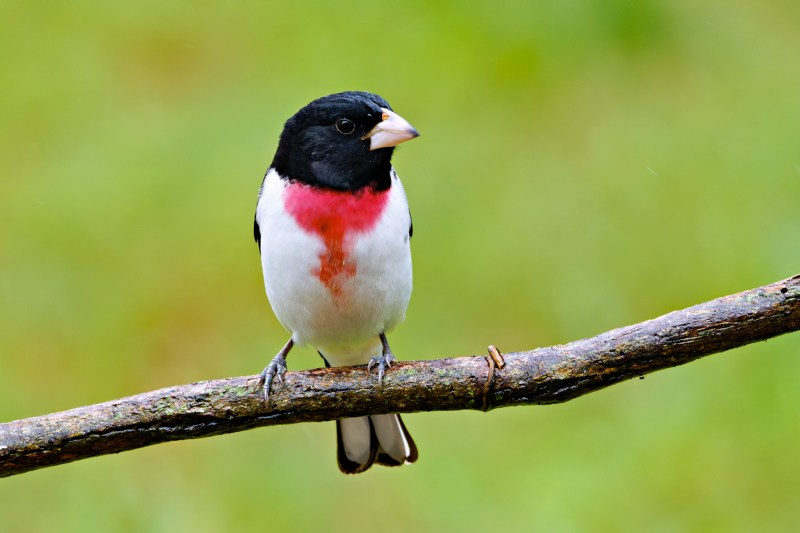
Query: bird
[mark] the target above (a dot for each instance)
(333, 229)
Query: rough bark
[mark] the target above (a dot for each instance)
(542, 376)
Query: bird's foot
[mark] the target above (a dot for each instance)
(274, 371)
(383, 362)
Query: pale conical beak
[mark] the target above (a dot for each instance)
(391, 131)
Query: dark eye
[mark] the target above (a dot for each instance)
(345, 126)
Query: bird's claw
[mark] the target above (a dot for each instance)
(274, 371)
(383, 362)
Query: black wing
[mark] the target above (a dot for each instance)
(256, 229)
(410, 224)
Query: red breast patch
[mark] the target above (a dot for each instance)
(337, 217)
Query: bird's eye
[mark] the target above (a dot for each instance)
(345, 126)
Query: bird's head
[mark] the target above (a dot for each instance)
(343, 141)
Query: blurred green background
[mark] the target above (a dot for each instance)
(583, 165)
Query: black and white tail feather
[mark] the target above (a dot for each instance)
(382, 439)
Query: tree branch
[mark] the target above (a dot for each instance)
(542, 376)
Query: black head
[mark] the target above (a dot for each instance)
(342, 141)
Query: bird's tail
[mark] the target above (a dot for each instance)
(381, 439)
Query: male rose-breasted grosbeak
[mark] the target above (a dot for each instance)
(333, 227)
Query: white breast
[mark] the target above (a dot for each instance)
(343, 326)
